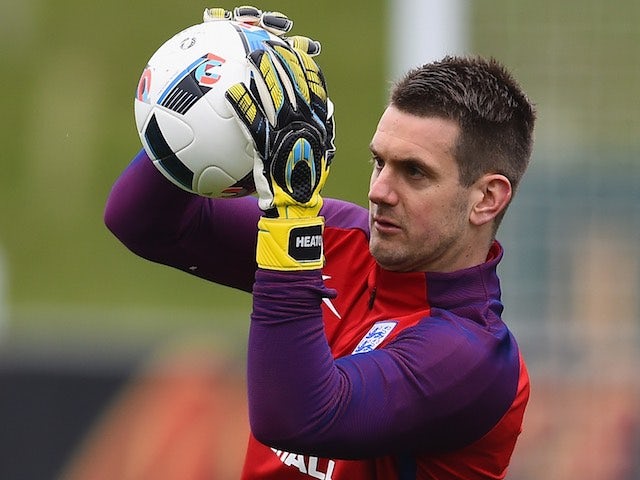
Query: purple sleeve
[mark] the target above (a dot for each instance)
(437, 385)
(213, 239)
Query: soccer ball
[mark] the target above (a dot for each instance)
(185, 124)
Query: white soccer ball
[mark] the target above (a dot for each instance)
(185, 124)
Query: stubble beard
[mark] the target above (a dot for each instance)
(389, 254)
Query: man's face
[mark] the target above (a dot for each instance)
(418, 210)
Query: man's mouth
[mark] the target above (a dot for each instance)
(385, 224)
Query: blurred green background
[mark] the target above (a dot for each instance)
(69, 70)
(571, 274)
(69, 73)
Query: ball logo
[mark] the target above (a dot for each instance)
(192, 83)
(207, 73)
(144, 86)
(187, 43)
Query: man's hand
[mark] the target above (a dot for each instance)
(275, 22)
(286, 112)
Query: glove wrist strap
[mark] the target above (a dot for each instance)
(290, 244)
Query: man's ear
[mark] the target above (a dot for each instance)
(491, 196)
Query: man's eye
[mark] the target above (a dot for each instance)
(376, 162)
(414, 171)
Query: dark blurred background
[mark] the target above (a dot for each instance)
(80, 316)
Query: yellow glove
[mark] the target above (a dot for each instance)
(275, 22)
(285, 111)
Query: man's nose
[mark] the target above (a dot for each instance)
(382, 188)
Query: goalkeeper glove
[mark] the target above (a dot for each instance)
(285, 111)
(275, 22)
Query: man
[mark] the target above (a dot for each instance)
(376, 347)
